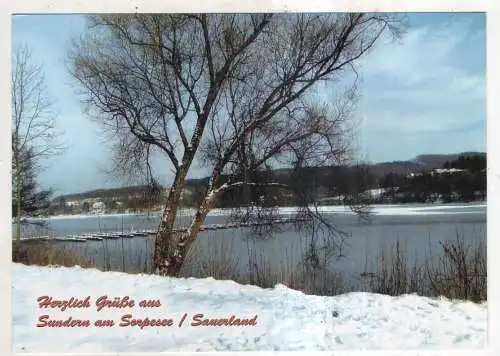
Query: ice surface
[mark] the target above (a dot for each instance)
(376, 209)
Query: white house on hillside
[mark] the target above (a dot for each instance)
(98, 208)
(447, 170)
(73, 203)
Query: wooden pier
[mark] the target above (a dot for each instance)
(99, 236)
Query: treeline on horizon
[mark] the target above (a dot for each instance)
(462, 180)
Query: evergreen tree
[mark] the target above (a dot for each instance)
(33, 202)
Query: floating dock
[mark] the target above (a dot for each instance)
(99, 236)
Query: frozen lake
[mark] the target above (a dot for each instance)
(419, 228)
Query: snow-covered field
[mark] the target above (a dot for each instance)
(285, 319)
(376, 209)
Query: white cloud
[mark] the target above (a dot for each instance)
(421, 85)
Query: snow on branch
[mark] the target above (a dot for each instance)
(227, 186)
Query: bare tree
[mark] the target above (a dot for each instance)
(232, 90)
(33, 124)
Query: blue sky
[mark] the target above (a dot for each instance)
(424, 95)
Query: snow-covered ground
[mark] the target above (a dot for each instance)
(285, 319)
(379, 209)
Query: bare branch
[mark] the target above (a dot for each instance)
(34, 134)
(238, 92)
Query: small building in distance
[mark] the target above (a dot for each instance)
(98, 208)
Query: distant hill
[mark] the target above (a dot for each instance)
(432, 161)
(197, 182)
(419, 163)
(106, 193)
(399, 167)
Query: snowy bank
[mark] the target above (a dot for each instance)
(377, 209)
(386, 209)
(283, 319)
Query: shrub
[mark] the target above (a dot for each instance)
(461, 272)
(46, 254)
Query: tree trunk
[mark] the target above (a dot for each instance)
(18, 205)
(169, 255)
(182, 246)
(164, 236)
(177, 253)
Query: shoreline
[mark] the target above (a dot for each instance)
(376, 209)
